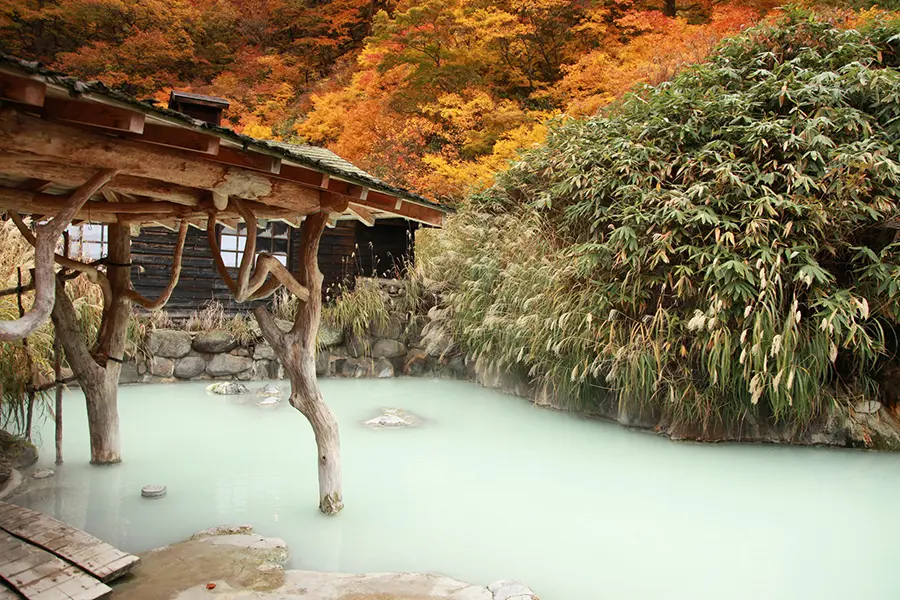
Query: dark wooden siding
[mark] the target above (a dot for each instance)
(152, 252)
(385, 248)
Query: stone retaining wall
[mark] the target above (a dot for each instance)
(415, 345)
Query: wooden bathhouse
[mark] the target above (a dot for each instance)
(373, 237)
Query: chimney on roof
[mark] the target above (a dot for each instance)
(208, 109)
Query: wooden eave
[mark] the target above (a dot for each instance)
(169, 166)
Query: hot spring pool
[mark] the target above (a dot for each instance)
(488, 488)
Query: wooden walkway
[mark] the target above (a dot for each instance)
(45, 559)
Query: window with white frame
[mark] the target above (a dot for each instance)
(88, 241)
(272, 237)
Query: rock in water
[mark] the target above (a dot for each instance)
(270, 389)
(269, 402)
(153, 491)
(43, 473)
(392, 418)
(511, 590)
(228, 388)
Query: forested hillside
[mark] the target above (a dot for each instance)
(436, 95)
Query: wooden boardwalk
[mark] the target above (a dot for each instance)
(45, 559)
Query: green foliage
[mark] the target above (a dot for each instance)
(358, 309)
(719, 245)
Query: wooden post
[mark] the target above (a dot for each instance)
(297, 352)
(29, 409)
(57, 364)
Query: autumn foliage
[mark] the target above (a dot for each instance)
(435, 95)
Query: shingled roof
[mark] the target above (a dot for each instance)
(311, 157)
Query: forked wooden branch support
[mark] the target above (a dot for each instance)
(44, 248)
(145, 302)
(252, 284)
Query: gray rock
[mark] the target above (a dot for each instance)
(129, 373)
(511, 590)
(383, 368)
(43, 473)
(271, 390)
(189, 367)
(162, 367)
(283, 325)
(264, 369)
(227, 388)
(227, 364)
(437, 341)
(867, 407)
(223, 530)
(416, 362)
(169, 343)
(359, 345)
(356, 367)
(142, 367)
(323, 363)
(392, 418)
(245, 375)
(263, 352)
(269, 402)
(329, 336)
(390, 330)
(214, 342)
(386, 348)
(240, 352)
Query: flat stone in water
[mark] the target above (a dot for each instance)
(153, 491)
(43, 473)
(269, 402)
(270, 389)
(391, 419)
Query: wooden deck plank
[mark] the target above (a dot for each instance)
(77, 547)
(38, 575)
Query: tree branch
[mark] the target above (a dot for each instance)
(45, 245)
(93, 274)
(258, 285)
(137, 298)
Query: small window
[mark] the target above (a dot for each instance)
(89, 241)
(273, 238)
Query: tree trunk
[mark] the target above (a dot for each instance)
(297, 352)
(97, 370)
(670, 8)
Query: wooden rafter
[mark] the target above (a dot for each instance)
(90, 113)
(91, 149)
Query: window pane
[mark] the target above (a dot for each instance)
(241, 243)
(265, 231)
(280, 229)
(92, 250)
(93, 232)
(74, 233)
(229, 242)
(279, 246)
(282, 258)
(230, 259)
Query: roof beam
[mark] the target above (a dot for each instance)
(178, 137)
(22, 89)
(94, 114)
(91, 149)
(362, 213)
(30, 166)
(251, 160)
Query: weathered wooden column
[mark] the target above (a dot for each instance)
(297, 352)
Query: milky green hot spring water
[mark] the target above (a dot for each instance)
(487, 488)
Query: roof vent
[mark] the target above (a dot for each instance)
(203, 108)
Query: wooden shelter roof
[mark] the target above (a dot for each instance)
(56, 132)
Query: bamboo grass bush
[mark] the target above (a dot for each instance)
(719, 246)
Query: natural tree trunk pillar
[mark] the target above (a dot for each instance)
(297, 352)
(97, 370)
